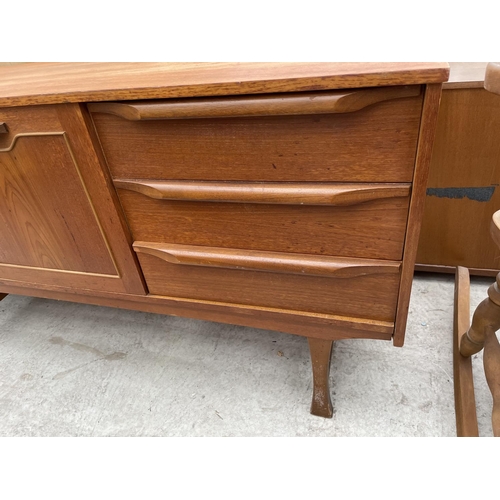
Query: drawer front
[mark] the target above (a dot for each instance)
(356, 221)
(371, 136)
(344, 287)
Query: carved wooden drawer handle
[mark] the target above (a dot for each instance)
(276, 262)
(345, 101)
(286, 193)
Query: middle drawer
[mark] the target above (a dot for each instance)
(344, 220)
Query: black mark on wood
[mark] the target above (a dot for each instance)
(482, 194)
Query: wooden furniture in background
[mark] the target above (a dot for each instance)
(470, 339)
(463, 188)
(280, 196)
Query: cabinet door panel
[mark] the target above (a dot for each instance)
(53, 198)
(46, 217)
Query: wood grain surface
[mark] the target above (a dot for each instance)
(416, 212)
(463, 189)
(48, 83)
(465, 400)
(368, 297)
(41, 224)
(321, 355)
(28, 120)
(304, 265)
(304, 103)
(376, 144)
(280, 193)
(57, 221)
(373, 230)
(324, 326)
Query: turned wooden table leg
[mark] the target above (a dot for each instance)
(491, 361)
(486, 316)
(321, 353)
(481, 334)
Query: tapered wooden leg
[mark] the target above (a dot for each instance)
(3, 295)
(465, 401)
(321, 353)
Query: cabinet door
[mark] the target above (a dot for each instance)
(60, 224)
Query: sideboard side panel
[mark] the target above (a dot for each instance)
(426, 138)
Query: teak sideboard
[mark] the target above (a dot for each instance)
(280, 196)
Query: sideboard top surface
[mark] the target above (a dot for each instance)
(51, 83)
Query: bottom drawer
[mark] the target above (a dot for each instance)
(358, 288)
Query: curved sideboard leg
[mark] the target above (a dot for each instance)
(321, 353)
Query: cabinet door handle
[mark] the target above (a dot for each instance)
(343, 101)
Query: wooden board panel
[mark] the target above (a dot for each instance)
(300, 103)
(46, 83)
(29, 120)
(41, 224)
(416, 212)
(376, 144)
(315, 325)
(59, 216)
(463, 189)
(280, 193)
(370, 297)
(373, 230)
(275, 262)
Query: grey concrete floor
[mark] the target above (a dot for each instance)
(76, 370)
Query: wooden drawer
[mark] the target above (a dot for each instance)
(347, 220)
(361, 135)
(346, 287)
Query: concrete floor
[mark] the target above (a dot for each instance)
(76, 370)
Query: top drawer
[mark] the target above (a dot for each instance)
(361, 135)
